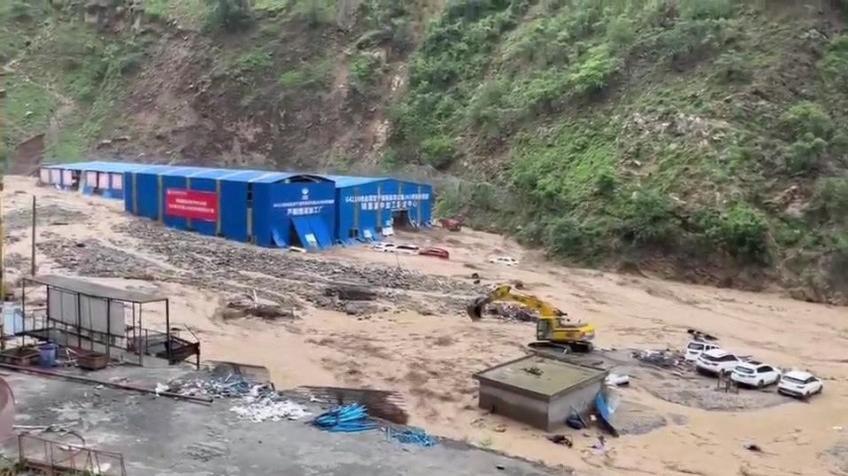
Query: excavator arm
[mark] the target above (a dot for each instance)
(504, 293)
(553, 329)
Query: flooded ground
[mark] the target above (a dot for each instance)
(412, 335)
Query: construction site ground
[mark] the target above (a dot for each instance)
(161, 436)
(411, 335)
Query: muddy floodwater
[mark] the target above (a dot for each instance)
(411, 334)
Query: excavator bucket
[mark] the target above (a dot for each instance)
(475, 308)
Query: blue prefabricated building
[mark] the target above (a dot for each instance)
(366, 207)
(90, 178)
(273, 209)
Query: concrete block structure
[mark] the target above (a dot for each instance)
(539, 391)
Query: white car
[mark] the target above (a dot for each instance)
(407, 249)
(755, 374)
(716, 361)
(384, 247)
(503, 260)
(696, 347)
(797, 383)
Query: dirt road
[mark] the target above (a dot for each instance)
(413, 335)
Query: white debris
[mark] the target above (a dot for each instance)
(160, 387)
(262, 409)
(617, 379)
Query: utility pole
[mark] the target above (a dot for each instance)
(5, 158)
(2, 251)
(32, 257)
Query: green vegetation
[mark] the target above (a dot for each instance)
(314, 75)
(834, 65)
(229, 15)
(315, 13)
(189, 13)
(28, 108)
(365, 71)
(247, 67)
(627, 129)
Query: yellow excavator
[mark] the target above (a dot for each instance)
(554, 330)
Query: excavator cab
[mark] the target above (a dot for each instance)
(544, 329)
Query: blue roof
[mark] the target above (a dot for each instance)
(96, 166)
(344, 181)
(234, 175)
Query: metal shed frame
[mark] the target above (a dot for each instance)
(81, 288)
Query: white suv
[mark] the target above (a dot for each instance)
(503, 260)
(696, 347)
(755, 374)
(716, 361)
(797, 383)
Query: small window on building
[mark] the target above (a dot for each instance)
(117, 181)
(45, 175)
(250, 195)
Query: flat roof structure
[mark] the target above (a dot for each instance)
(81, 286)
(540, 377)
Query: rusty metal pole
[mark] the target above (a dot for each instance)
(33, 267)
(168, 329)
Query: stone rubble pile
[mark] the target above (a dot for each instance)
(233, 269)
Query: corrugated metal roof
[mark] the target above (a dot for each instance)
(344, 181)
(233, 175)
(97, 166)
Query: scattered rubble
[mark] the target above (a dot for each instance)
(240, 308)
(560, 440)
(513, 312)
(284, 278)
(660, 358)
(350, 292)
(259, 409)
(46, 214)
(257, 402)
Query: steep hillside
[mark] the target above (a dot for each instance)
(704, 140)
(699, 139)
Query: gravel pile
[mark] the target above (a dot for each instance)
(191, 251)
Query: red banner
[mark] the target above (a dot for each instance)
(183, 203)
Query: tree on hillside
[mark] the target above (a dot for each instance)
(231, 15)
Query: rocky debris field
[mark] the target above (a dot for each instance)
(235, 269)
(52, 215)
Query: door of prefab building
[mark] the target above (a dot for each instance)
(400, 220)
(303, 233)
